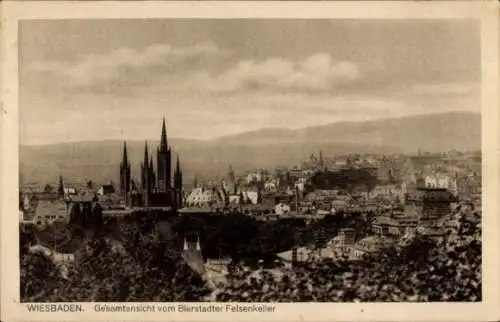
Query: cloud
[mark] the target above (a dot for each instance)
(316, 74)
(125, 68)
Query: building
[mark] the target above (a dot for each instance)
(295, 255)
(281, 209)
(371, 245)
(468, 186)
(106, 189)
(204, 197)
(48, 212)
(390, 191)
(157, 188)
(342, 245)
(429, 205)
(272, 185)
(253, 177)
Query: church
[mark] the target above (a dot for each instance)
(157, 188)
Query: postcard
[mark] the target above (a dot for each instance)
(274, 161)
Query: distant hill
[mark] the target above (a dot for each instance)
(433, 133)
(263, 148)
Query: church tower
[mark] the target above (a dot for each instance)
(178, 185)
(145, 175)
(125, 174)
(164, 167)
(60, 188)
(152, 175)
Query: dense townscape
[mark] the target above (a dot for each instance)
(336, 228)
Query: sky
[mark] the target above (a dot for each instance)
(85, 80)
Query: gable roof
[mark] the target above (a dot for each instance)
(108, 188)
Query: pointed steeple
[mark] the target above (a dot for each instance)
(198, 247)
(195, 182)
(125, 173)
(178, 166)
(60, 189)
(125, 155)
(146, 155)
(145, 169)
(231, 175)
(163, 140)
(185, 247)
(145, 162)
(152, 174)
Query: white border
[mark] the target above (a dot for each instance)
(487, 12)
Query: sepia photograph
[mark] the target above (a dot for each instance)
(249, 162)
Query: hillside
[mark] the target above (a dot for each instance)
(433, 133)
(264, 148)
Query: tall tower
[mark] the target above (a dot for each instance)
(60, 189)
(125, 174)
(164, 157)
(321, 160)
(145, 175)
(195, 183)
(178, 185)
(152, 175)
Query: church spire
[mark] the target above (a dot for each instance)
(125, 155)
(145, 173)
(60, 189)
(178, 184)
(152, 175)
(163, 140)
(146, 155)
(178, 166)
(125, 174)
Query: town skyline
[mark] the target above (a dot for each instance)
(106, 80)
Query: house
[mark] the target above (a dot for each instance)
(371, 244)
(468, 185)
(234, 199)
(391, 191)
(301, 254)
(251, 195)
(48, 212)
(106, 190)
(300, 185)
(385, 225)
(69, 191)
(440, 180)
(271, 185)
(204, 197)
(343, 243)
(254, 177)
(26, 217)
(281, 209)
